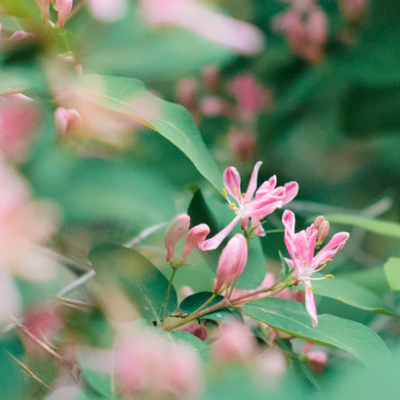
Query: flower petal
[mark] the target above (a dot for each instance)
(216, 240)
(262, 207)
(251, 188)
(291, 188)
(310, 304)
(232, 182)
(332, 248)
(194, 238)
(288, 221)
(255, 222)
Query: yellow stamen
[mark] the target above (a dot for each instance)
(321, 268)
(243, 195)
(235, 191)
(224, 192)
(311, 288)
(329, 276)
(232, 205)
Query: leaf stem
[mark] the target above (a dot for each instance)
(167, 296)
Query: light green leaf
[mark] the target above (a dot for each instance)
(130, 97)
(291, 317)
(141, 281)
(387, 228)
(193, 341)
(351, 294)
(392, 271)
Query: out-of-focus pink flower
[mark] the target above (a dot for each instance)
(199, 331)
(301, 248)
(25, 225)
(242, 144)
(231, 263)
(177, 229)
(64, 8)
(186, 95)
(148, 365)
(316, 359)
(234, 344)
(213, 106)
(306, 37)
(238, 36)
(211, 76)
(18, 122)
(267, 199)
(20, 35)
(108, 10)
(44, 6)
(186, 291)
(251, 96)
(353, 9)
(67, 121)
(272, 365)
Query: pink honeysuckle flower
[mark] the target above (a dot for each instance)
(108, 10)
(232, 262)
(301, 247)
(67, 121)
(194, 238)
(196, 17)
(267, 199)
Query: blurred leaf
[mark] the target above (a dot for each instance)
(291, 317)
(193, 302)
(193, 341)
(133, 48)
(351, 294)
(130, 97)
(298, 363)
(97, 190)
(392, 271)
(205, 211)
(374, 279)
(101, 382)
(12, 385)
(140, 280)
(387, 228)
(68, 392)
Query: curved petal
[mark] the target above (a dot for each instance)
(266, 187)
(262, 207)
(255, 222)
(288, 221)
(216, 240)
(332, 248)
(291, 188)
(251, 188)
(232, 182)
(310, 304)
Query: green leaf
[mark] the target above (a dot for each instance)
(194, 341)
(141, 281)
(101, 382)
(205, 211)
(297, 362)
(374, 279)
(193, 302)
(130, 97)
(98, 190)
(291, 317)
(131, 47)
(386, 228)
(351, 294)
(392, 271)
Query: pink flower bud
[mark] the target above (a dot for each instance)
(175, 231)
(317, 360)
(323, 231)
(63, 7)
(194, 238)
(67, 121)
(318, 221)
(211, 77)
(43, 6)
(212, 106)
(235, 343)
(232, 262)
(242, 144)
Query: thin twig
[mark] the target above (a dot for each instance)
(77, 283)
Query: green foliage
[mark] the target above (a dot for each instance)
(291, 317)
(140, 280)
(195, 342)
(392, 272)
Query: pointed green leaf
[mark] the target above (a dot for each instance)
(141, 281)
(130, 97)
(392, 271)
(291, 317)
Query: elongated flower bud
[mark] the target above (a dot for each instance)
(43, 6)
(194, 238)
(318, 221)
(175, 231)
(64, 8)
(232, 262)
(323, 231)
